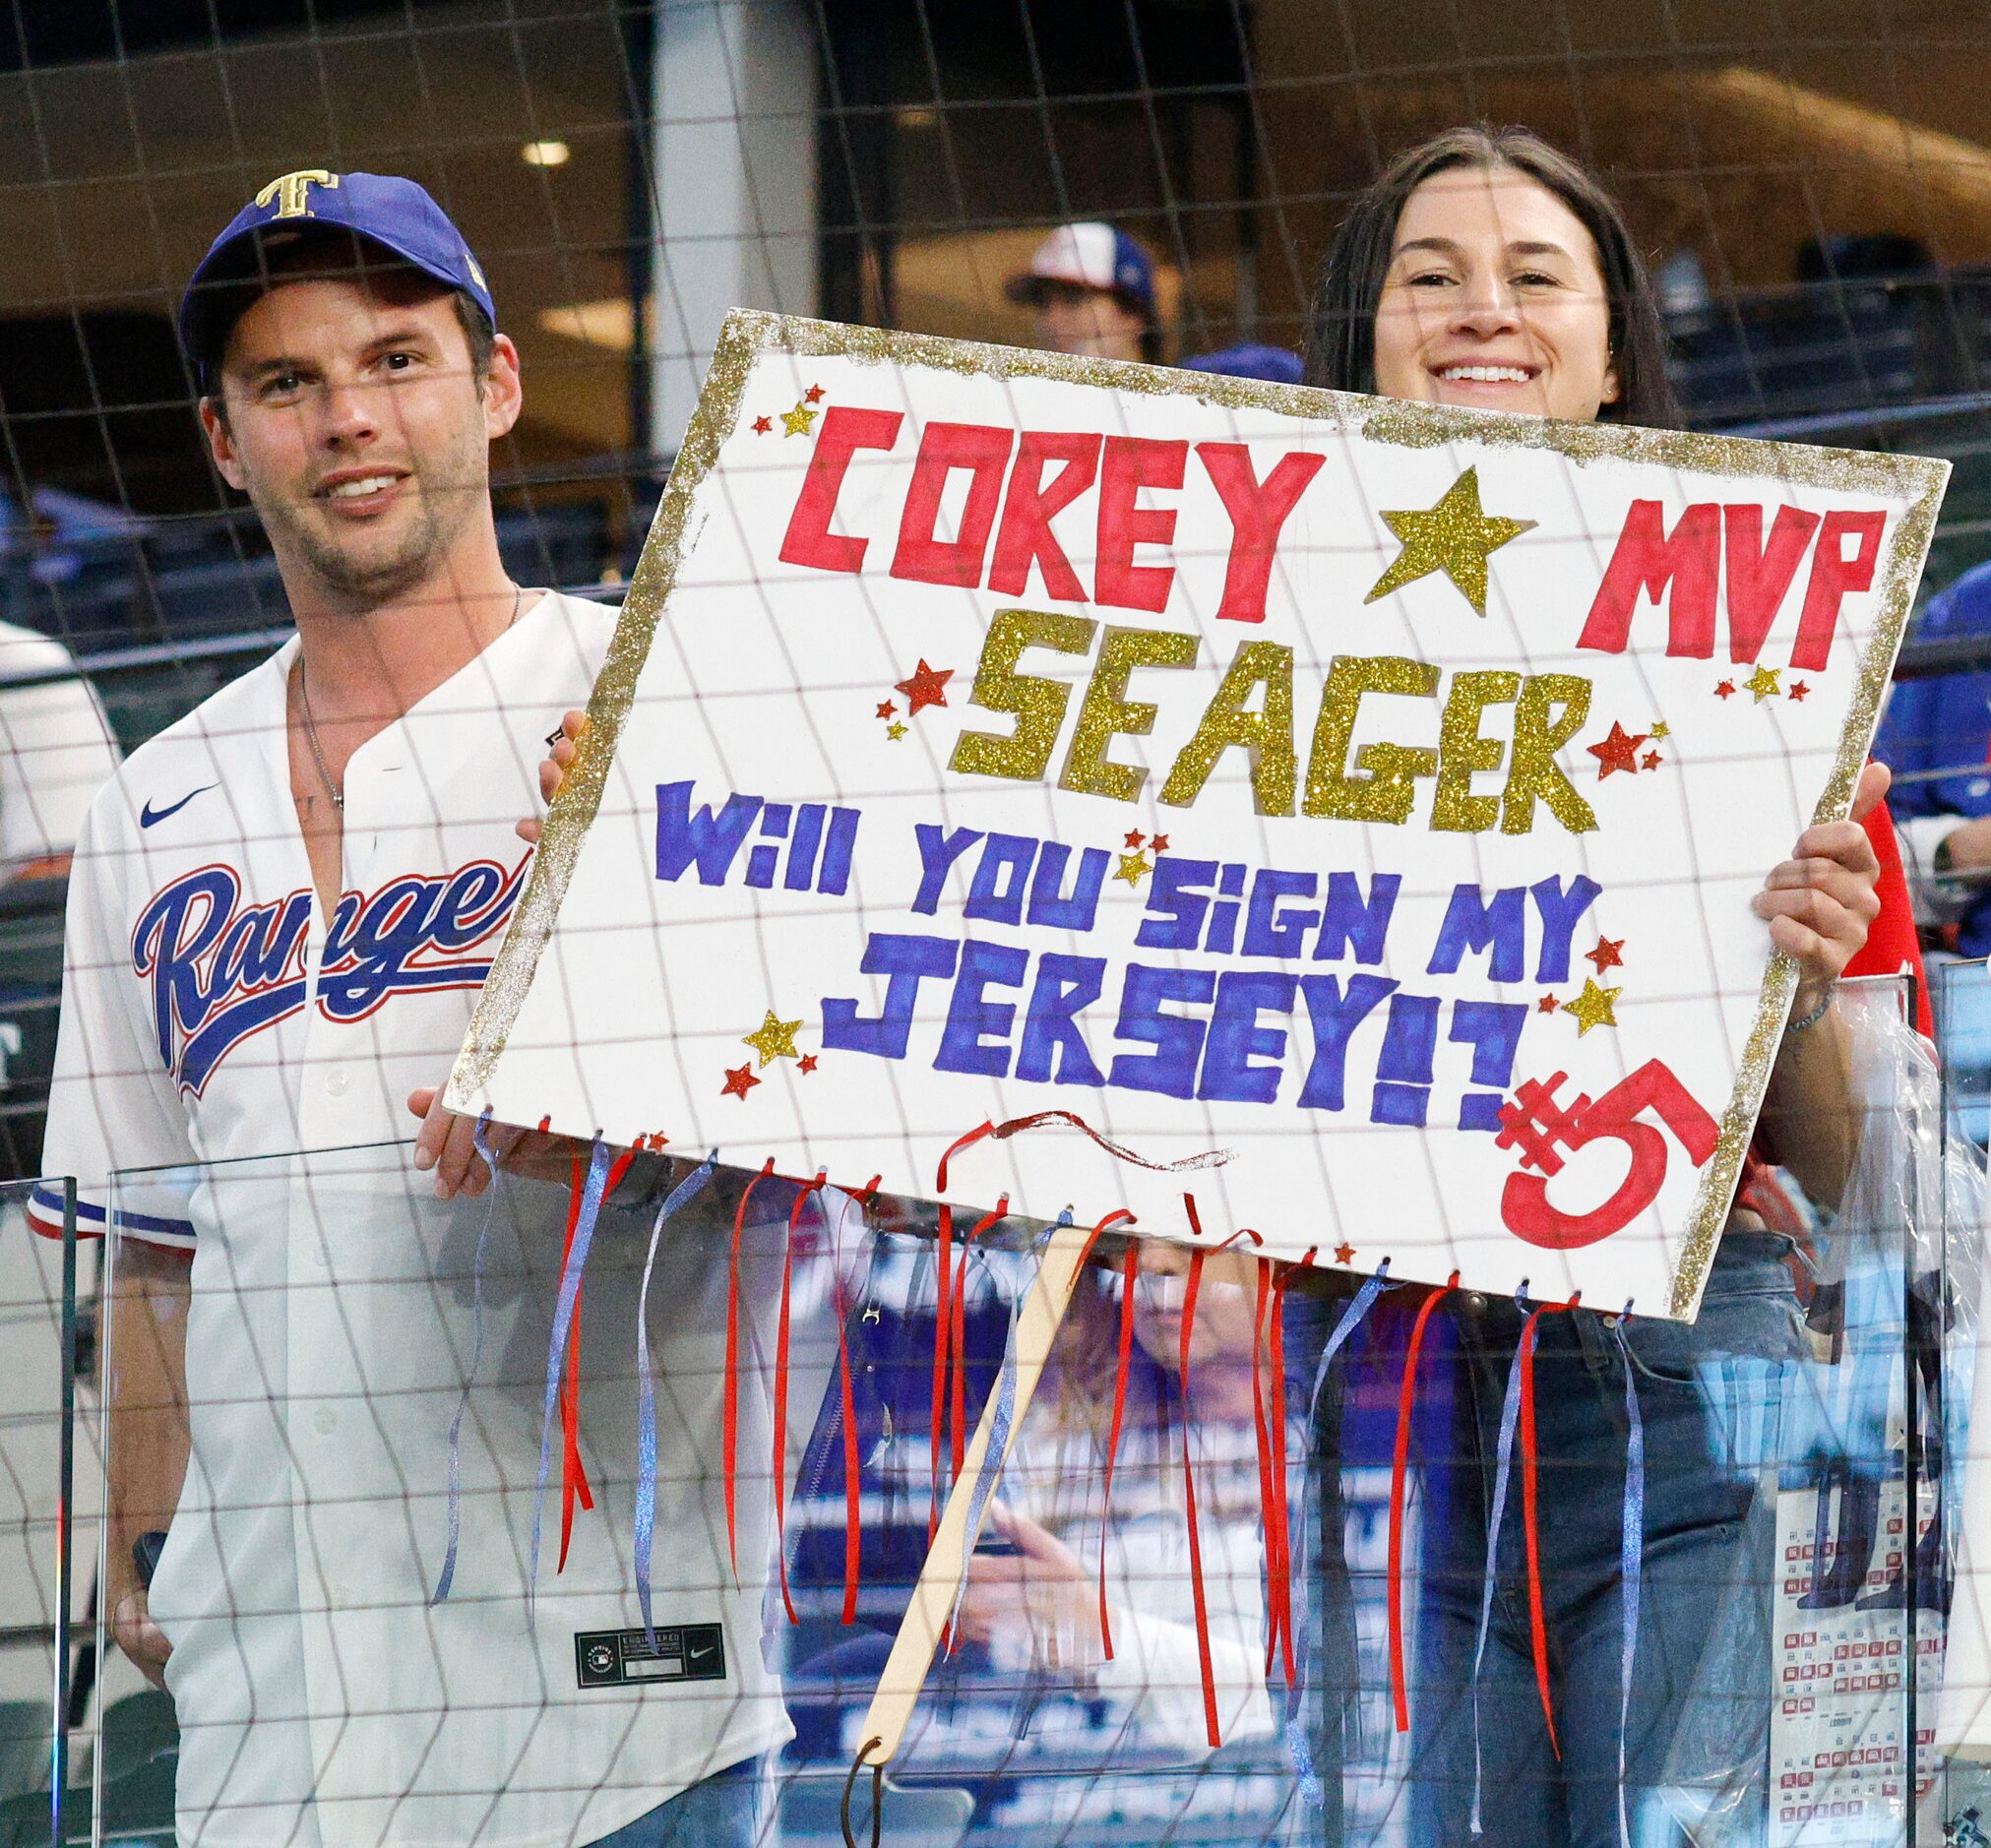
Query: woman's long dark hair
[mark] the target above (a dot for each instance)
(1341, 335)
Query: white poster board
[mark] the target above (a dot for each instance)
(1344, 813)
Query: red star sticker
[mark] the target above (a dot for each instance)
(1652, 759)
(808, 1062)
(1798, 689)
(1134, 837)
(925, 687)
(762, 425)
(1618, 752)
(886, 709)
(813, 395)
(739, 1081)
(1726, 691)
(1547, 1005)
(1344, 1254)
(1160, 843)
(1606, 954)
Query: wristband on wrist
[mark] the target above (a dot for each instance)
(1812, 1019)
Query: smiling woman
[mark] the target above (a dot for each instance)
(1494, 297)
(1485, 269)
(1481, 270)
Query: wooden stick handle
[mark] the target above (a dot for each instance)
(933, 1598)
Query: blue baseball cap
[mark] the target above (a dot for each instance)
(395, 213)
(1249, 359)
(1090, 255)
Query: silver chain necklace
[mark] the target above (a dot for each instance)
(333, 789)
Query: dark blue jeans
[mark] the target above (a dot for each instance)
(722, 1811)
(1696, 1558)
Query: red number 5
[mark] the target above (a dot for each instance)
(1536, 1123)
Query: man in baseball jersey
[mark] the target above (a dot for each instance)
(280, 912)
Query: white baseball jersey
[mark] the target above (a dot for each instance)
(215, 1024)
(56, 750)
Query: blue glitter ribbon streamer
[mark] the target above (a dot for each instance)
(996, 1452)
(646, 1393)
(1509, 1414)
(1632, 1548)
(479, 1140)
(1294, 1731)
(563, 1322)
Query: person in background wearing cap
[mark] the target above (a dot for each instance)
(1092, 288)
(330, 1378)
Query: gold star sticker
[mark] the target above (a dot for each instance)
(772, 1039)
(1764, 682)
(796, 422)
(1660, 730)
(894, 731)
(1455, 538)
(1134, 868)
(1594, 1007)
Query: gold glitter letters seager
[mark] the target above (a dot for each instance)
(1266, 735)
(1038, 704)
(1533, 771)
(1462, 751)
(1107, 710)
(1387, 791)
(1550, 709)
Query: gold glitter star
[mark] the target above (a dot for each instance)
(1593, 1006)
(1134, 868)
(1660, 730)
(796, 422)
(1455, 538)
(1764, 682)
(772, 1039)
(895, 731)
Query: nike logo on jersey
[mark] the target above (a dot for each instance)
(150, 817)
(219, 970)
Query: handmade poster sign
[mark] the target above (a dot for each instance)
(1342, 812)
(1260, 812)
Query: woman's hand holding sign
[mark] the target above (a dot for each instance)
(1820, 906)
(1821, 903)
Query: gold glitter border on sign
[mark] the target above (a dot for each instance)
(748, 334)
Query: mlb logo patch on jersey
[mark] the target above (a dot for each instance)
(616, 1658)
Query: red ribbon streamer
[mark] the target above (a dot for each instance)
(956, 1312)
(949, 1333)
(1209, 1158)
(573, 1472)
(778, 1474)
(573, 1477)
(1400, 1693)
(1212, 1730)
(1536, 1625)
(731, 1436)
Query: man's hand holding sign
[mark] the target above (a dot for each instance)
(1028, 777)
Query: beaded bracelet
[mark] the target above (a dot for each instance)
(1812, 1019)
